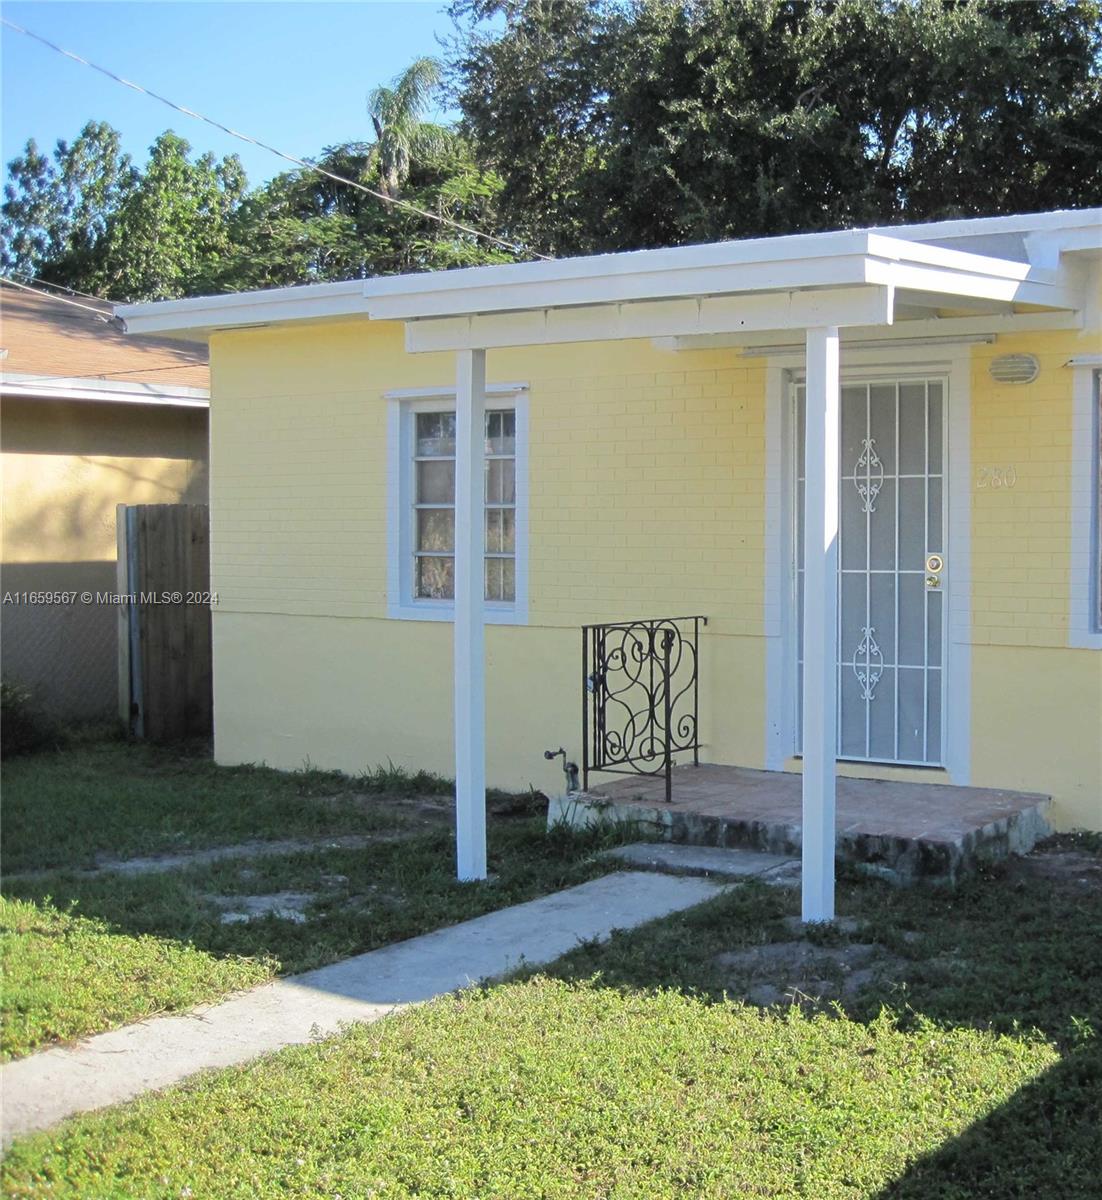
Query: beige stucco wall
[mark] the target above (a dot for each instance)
(66, 465)
(647, 484)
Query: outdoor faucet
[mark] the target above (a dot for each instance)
(569, 769)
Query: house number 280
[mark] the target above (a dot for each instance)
(997, 477)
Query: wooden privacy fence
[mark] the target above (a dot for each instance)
(164, 620)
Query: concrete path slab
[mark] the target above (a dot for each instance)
(111, 1067)
(703, 860)
(154, 864)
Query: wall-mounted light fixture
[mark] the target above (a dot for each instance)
(1014, 368)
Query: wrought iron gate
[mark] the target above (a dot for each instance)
(640, 696)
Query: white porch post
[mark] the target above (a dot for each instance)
(820, 717)
(470, 633)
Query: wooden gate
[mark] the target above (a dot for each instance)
(164, 620)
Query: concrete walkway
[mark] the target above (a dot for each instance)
(155, 864)
(111, 1067)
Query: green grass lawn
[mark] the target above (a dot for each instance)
(120, 799)
(130, 945)
(545, 1089)
(968, 1064)
(66, 975)
(634, 1070)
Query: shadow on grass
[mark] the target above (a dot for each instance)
(1046, 1141)
(1015, 951)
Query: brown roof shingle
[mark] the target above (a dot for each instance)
(45, 336)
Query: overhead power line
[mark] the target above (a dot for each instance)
(61, 287)
(26, 287)
(298, 162)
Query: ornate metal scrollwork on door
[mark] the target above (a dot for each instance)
(868, 487)
(868, 663)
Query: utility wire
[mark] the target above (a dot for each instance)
(26, 287)
(61, 287)
(244, 137)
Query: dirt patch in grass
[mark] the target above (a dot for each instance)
(1069, 868)
(799, 971)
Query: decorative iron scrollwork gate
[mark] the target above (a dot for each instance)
(640, 696)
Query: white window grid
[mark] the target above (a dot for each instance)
(402, 603)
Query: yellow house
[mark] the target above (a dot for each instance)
(89, 419)
(423, 487)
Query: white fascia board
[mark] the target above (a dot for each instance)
(919, 328)
(105, 391)
(651, 319)
(1024, 223)
(1024, 285)
(200, 315)
(760, 265)
(1045, 247)
(517, 296)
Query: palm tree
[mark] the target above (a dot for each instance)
(400, 134)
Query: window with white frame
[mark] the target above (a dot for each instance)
(422, 534)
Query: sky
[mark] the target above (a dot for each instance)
(294, 74)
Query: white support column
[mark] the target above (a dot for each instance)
(470, 630)
(820, 715)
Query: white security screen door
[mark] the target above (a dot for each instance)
(891, 584)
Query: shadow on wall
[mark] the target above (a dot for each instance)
(65, 654)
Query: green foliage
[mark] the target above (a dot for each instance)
(400, 134)
(24, 727)
(545, 1089)
(58, 210)
(660, 122)
(304, 228)
(66, 976)
(88, 219)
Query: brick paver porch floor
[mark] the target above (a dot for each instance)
(904, 828)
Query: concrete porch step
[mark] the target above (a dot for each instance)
(898, 831)
(672, 858)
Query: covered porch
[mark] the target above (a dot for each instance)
(814, 299)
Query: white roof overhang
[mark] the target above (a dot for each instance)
(856, 279)
(103, 391)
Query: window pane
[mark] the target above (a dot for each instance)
(434, 578)
(494, 579)
(436, 482)
(501, 432)
(435, 434)
(493, 530)
(501, 481)
(436, 529)
(500, 579)
(501, 527)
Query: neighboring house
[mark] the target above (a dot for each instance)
(89, 418)
(647, 453)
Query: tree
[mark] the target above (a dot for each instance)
(657, 122)
(303, 227)
(57, 211)
(400, 133)
(87, 218)
(170, 233)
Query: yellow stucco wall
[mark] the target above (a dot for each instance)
(65, 466)
(647, 474)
